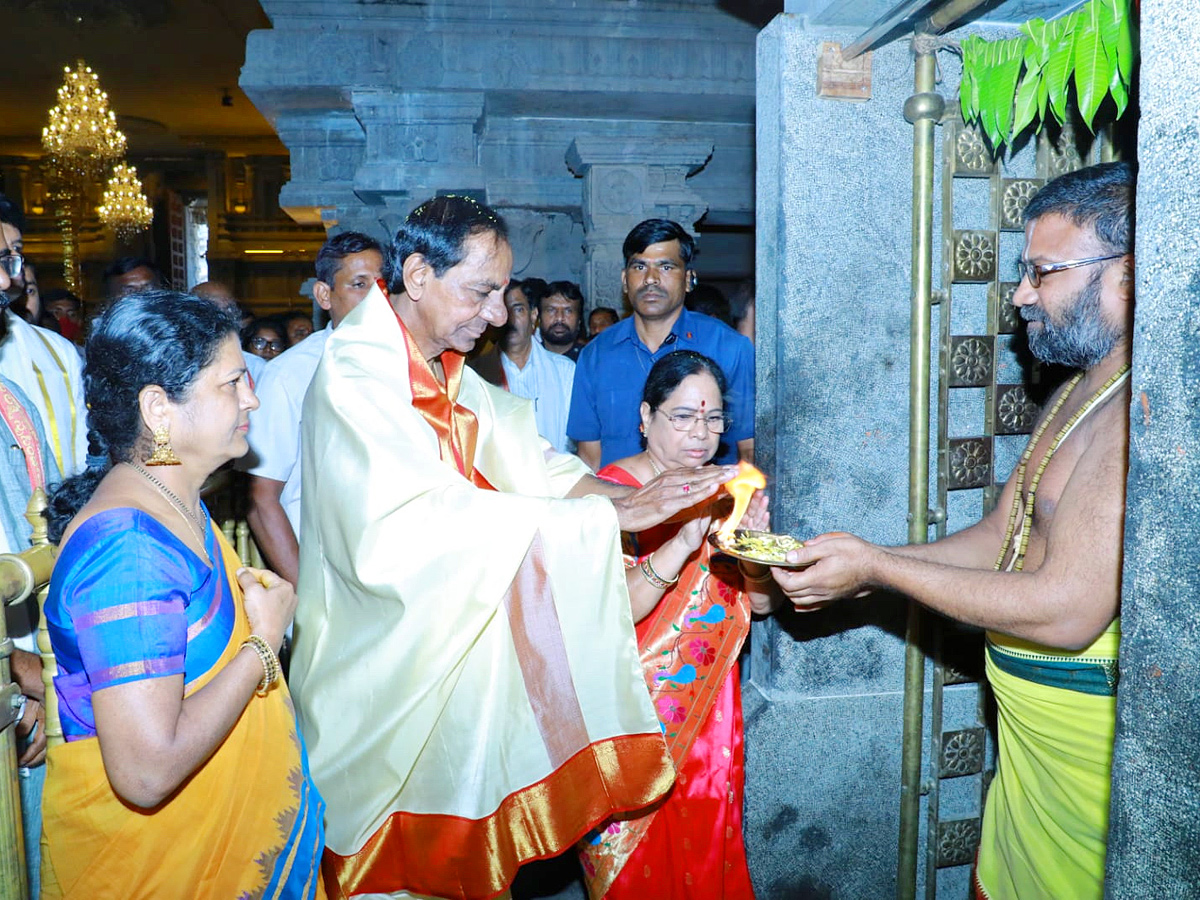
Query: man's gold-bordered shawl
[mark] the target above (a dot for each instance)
(465, 668)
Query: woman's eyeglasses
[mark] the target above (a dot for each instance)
(261, 343)
(716, 423)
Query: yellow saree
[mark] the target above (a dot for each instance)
(246, 824)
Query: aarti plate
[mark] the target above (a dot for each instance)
(764, 547)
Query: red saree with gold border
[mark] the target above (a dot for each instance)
(689, 845)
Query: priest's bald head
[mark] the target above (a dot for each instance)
(450, 264)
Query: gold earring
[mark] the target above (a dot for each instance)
(164, 454)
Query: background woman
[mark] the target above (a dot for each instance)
(692, 611)
(264, 338)
(182, 774)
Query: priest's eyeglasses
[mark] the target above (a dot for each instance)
(1035, 273)
(716, 423)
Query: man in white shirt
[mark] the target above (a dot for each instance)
(347, 266)
(533, 372)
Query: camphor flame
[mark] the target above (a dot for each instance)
(741, 487)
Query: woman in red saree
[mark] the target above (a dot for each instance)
(692, 607)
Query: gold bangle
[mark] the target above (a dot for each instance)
(271, 667)
(652, 576)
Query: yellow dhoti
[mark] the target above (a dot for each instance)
(1045, 826)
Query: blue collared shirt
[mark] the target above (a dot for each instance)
(611, 373)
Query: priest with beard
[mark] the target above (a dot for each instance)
(1041, 572)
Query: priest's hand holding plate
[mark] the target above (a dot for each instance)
(826, 568)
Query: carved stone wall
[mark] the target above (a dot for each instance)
(585, 119)
(622, 189)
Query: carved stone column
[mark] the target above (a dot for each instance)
(326, 147)
(544, 244)
(626, 180)
(411, 135)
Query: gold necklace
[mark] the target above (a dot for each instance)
(653, 466)
(1019, 478)
(195, 525)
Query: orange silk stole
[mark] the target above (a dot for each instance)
(456, 427)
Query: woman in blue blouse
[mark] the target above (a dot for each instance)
(182, 774)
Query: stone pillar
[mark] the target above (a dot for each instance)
(459, 95)
(417, 143)
(1154, 840)
(326, 147)
(625, 181)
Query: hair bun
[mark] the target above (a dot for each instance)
(97, 455)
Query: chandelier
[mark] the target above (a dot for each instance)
(82, 136)
(124, 207)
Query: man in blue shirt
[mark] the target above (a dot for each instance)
(612, 369)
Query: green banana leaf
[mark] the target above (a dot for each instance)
(984, 115)
(1008, 85)
(1115, 31)
(1061, 62)
(968, 88)
(1025, 108)
(1092, 72)
(1009, 55)
(1120, 93)
(1035, 30)
(992, 95)
(1030, 103)
(1108, 21)
(1125, 48)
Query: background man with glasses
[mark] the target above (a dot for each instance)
(1042, 571)
(43, 363)
(533, 371)
(612, 368)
